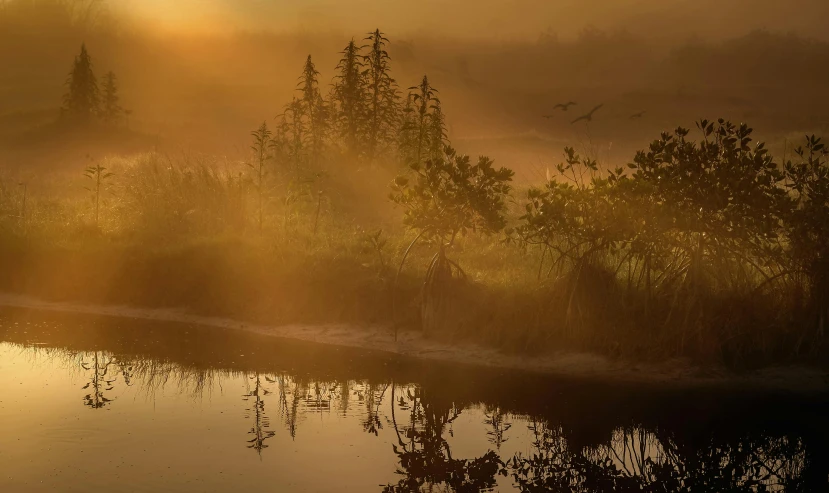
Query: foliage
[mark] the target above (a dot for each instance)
(291, 140)
(422, 129)
(82, 99)
(573, 215)
(382, 94)
(721, 191)
(261, 142)
(654, 462)
(99, 176)
(807, 223)
(349, 99)
(313, 109)
(425, 456)
(451, 195)
(111, 110)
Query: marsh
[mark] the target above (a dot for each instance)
(444, 246)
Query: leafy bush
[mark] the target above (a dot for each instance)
(448, 197)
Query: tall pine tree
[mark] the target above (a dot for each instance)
(81, 102)
(425, 103)
(407, 139)
(436, 133)
(314, 109)
(294, 122)
(383, 107)
(349, 99)
(111, 110)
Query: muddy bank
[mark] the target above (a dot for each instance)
(675, 373)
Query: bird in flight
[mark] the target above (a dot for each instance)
(637, 115)
(589, 116)
(560, 106)
(564, 106)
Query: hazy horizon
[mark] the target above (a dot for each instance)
(202, 74)
(489, 19)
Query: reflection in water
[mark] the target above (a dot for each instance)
(638, 460)
(498, 423)
(523, 444)
(424, 453)
(261, 423)
(103, 370)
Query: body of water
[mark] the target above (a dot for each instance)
(91, 403)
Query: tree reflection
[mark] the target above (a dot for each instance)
(290, 389)
(620, 453)
(261, 423)
(103, 373)
(498, 422)
(372, 397)
(638, 460)
(424, 454)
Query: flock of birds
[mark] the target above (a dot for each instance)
(587, 117)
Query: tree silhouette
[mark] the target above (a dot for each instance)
(382, 95)
(293, 123)
(111, 110)
(261, 422)
(261, 141)
(99, 177)
(100, 381)
(314, 108)
(807, 226)
(447, 197)
(437, 132)
(425, 457)
(423, 116)
(82, 99)
(349, 99)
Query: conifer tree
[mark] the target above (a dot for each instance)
(382, 94)
(314, 109)
(81, 102)
(436, 132)
(111, 110)
(294, 124)
(407, 142)
(425, 102)
(349, 99)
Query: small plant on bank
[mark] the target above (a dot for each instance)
(99, 177)
(261, 142)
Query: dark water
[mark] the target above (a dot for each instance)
(94, 404)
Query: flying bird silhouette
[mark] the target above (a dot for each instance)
(587, 117)
(637, 115)
(564, 106)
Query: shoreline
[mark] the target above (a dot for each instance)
(676, 374)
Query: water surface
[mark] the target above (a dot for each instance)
(91, 403)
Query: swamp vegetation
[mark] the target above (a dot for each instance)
(354, 207)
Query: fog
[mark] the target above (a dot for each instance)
(200, 75)
(488, 19)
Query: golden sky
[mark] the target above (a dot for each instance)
(487, 18)
(468, 18)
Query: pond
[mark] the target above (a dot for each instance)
(91, 403)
